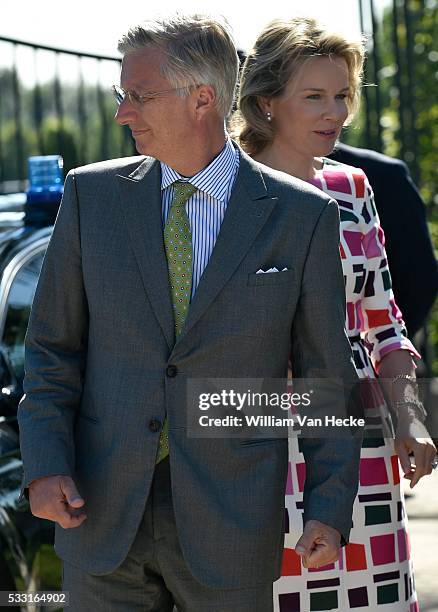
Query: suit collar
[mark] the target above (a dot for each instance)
(140, 197)
(143, 169)
(250, 172)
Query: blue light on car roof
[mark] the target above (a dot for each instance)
(45, 179)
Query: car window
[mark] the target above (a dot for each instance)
(18, 307)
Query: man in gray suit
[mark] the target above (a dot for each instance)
(147, 517)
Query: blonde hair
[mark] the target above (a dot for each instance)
(279, 52)
(199, 50)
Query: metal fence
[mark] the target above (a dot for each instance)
(398, 42)
(35, 120)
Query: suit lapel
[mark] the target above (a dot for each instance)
(140, 194)
(247, 212)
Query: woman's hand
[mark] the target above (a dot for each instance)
(412, 437)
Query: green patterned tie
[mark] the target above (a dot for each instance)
(178, 245)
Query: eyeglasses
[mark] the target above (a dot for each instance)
(139, 99)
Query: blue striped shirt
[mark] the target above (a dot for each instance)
(206, 207)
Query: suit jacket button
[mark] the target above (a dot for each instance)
(171, 371)
(154, 425)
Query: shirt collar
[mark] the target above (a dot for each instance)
(214, 179)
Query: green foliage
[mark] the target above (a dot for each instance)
(7, 97)
(60, 139)
(81, 129)
(411, 102)
(47, 566)
(433, 321)
(420, 109)
(10, 141)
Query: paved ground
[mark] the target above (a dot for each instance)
(422, 510)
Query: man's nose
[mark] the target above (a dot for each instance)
(125, 112)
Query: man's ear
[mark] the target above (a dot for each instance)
(205, 99)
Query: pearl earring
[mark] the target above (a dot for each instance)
(268, 116)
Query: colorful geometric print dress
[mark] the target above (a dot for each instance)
(374, 571)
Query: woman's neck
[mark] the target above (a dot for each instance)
(290, 161)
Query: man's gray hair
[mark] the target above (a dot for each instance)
(199, 50)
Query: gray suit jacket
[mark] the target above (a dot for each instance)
(101, 336)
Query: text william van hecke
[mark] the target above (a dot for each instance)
(303, 421)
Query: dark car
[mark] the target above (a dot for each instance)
(27, 559)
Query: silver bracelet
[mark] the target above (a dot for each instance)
(411, 408)
(410, 404)
(407, 378)
(411, 391)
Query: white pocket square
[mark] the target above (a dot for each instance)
(270, 270)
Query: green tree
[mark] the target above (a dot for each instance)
(416, 98)
(86, 132)
(421, 100)
(59, 139)
(9, 139)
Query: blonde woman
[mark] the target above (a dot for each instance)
(300, 85)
